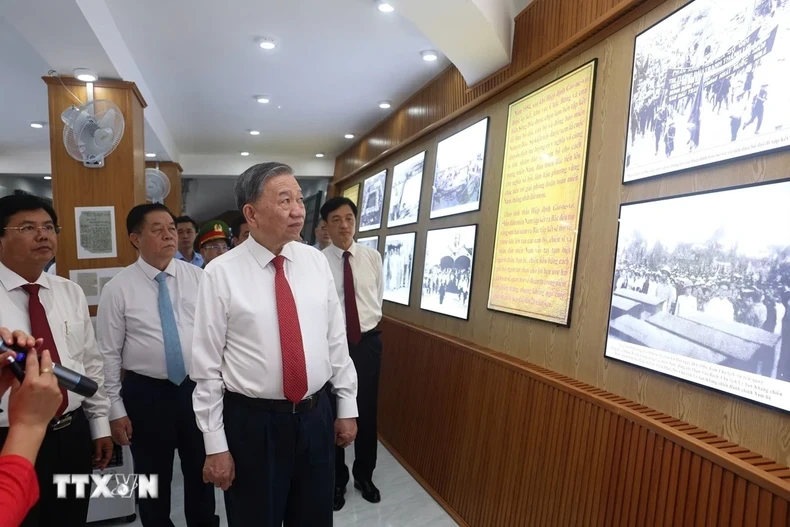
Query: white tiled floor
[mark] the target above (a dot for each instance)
(404, 503)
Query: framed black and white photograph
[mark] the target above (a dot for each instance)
(447, 276)
(372, 202)
(406, 190)
(458, 178)
(709, 85)
(701, 290)
(398, 266)
(370, 241)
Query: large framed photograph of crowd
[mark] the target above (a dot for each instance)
(398, 266)
(406, 191)
(447, 275)
(372, 202)
(708, 86)
(458, 177)
(701, 290)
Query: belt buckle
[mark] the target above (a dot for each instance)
(293, 407)
(63, 422)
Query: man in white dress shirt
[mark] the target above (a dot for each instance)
(54, 309)
(145, 324)
(359, 280)
(269, 338)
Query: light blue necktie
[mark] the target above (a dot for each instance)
(176, 371)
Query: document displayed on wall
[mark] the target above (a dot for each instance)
(352, 193)
(95, 232)
(701, 290)
(709, 85)
(92, 281)
(541, 198)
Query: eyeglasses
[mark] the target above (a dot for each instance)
(216, 247)
(31, 231)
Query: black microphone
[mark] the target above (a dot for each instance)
(68, 379)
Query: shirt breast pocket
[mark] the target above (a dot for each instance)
(73, 333)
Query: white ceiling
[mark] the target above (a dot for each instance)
(198, 65)
(334, 62)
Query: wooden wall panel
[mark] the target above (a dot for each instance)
(578, 351)
(544, 32)
(499, 441)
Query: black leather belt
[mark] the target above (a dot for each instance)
(58, 423)
(277, 405)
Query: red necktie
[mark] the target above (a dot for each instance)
(39, 327)
(294, 369)
(352, 314)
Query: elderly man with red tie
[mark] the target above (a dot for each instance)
(269, 341)
(357, 271)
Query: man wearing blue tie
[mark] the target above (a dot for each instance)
(145, 325)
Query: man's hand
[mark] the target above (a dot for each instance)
(121, 430)
(102, 452)
(345, 432)
(220, 470)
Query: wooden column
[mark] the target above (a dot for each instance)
(120, 183)
(174, 200)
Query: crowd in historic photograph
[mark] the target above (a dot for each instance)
(372, 202)
(447, 277)
(706, 277)
(406, 189)
(458, 178)
(709, 84)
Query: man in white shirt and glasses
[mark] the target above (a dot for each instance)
(54, 309)
(269, 338)
(145, 325)
(357, 271)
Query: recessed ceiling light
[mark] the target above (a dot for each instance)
(385, 7)
(319, 155)
(254, 132)
(267, 43)
(385, 104)
(429, 55)
(36, 125)
(349, 136)
(244, 153)
(263, 99)
(47, 177)
(85, 75)
(150, 154)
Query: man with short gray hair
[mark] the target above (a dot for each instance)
(269, 341)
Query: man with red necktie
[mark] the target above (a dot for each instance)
(357, 271)
(53, 309)
(269, 341)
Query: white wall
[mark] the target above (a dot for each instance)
(34, 184)
(206, 198)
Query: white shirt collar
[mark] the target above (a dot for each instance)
(337, 251)
(263, 255)
(11, 280)
(152, 272)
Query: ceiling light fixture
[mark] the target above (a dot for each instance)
(319, 155)
(47, 177)
(36, 125)
(150, 154)
(267, 43)
(254, 132)
(349, 136)
(245, 154)
(385, 104)
(263, 99)
(85, 75)
(429, 55)
(385, 7)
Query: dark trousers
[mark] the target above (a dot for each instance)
(65, 451)
(367, 360)
(283, 464)
(162, 421)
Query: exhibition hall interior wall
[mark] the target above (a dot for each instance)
(578, 350)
